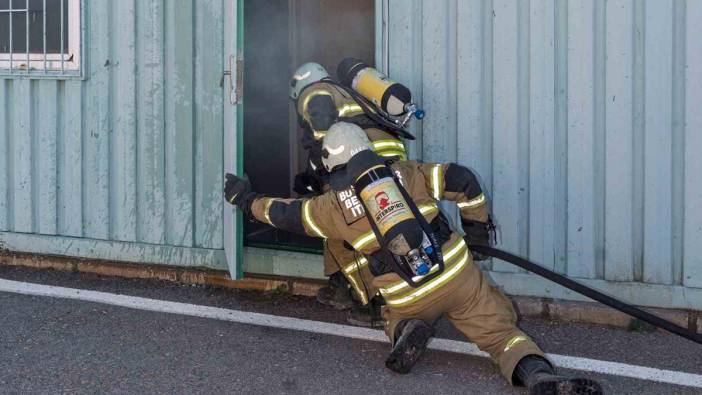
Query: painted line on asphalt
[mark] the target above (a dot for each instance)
(274, 321)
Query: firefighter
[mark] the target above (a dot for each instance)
(461, 292)
(320, 103)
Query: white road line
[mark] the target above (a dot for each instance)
(244, 317)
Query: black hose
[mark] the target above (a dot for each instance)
(589, 292)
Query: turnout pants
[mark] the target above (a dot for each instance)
(352, 265)
(474, 306)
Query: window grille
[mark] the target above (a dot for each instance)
(40, 38)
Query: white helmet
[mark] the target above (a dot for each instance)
(341, 143)
(307, 74)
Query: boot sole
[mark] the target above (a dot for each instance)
(402, 359)
(574, 386)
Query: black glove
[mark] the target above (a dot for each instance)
(237, 191)
(478, 233)
(306, 183)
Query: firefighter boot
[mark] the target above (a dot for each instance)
(411, 338)
(368, 315)
(541, 379)
(337, 294)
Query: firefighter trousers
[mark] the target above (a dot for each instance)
(353, 266)
(473, 305)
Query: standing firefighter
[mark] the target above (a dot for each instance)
(453, 287)
(320, 102)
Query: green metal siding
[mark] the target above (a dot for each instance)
(583, 119)
(133, 153)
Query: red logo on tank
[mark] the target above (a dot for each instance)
(382, 199)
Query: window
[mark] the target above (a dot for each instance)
(40, 37)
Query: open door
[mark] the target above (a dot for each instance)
(233, 108)
(280, 36)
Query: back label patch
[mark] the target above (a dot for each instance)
(350, 206)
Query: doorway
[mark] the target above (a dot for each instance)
(278, 37)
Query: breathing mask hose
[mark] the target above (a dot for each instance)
(589, 292)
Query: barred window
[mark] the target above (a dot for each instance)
(40, 37)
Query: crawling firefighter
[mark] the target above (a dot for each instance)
(421, 266)
(320, 102)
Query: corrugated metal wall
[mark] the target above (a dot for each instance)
(134, 152)
(582, 117)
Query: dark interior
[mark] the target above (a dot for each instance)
(278, 37)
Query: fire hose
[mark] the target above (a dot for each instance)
(589, 292)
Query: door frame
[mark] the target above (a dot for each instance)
(232, 63)
(233, 129)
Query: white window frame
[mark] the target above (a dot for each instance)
(16, 63)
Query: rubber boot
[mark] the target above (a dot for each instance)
(366, 315)
(337, 294)
(541, 379)
(413, 338)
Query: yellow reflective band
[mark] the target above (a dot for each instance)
(348, 108)
(428, 208)
(308, 220)
(316, 92)
(379, 144)
(266, 210)
(363, 241)
(475, 202)
(319, 134)
(361, 292)
(515, 340)
(448, 257)
(435, 182)
(355, 265)
(392, 153)
(432, 286)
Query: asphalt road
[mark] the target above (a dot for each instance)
(51, 346)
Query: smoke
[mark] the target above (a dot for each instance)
(279, 36)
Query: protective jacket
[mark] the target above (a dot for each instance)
(322, 104)
(462, 292)
(319, 106)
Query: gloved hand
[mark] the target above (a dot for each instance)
(478, 233)
(237, 191)
(306, 183)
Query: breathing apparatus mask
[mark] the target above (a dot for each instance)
(406, 239)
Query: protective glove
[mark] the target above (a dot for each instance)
(478, 233)
(306, 183)
(237, 191)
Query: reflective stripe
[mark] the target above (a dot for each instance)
(266, 210)
(363, 241)
(392, 153)
(316, 92)
(475, 202)
(313, 166)
(356, 265)
(361, 292)
(308, 219)
(436, 182)
(369, 237)
(448, 257)
(379, 144)
(432, 286)
(429, 208)
(347, 108)
(515, 340)
(349, 271)
(319, 134)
